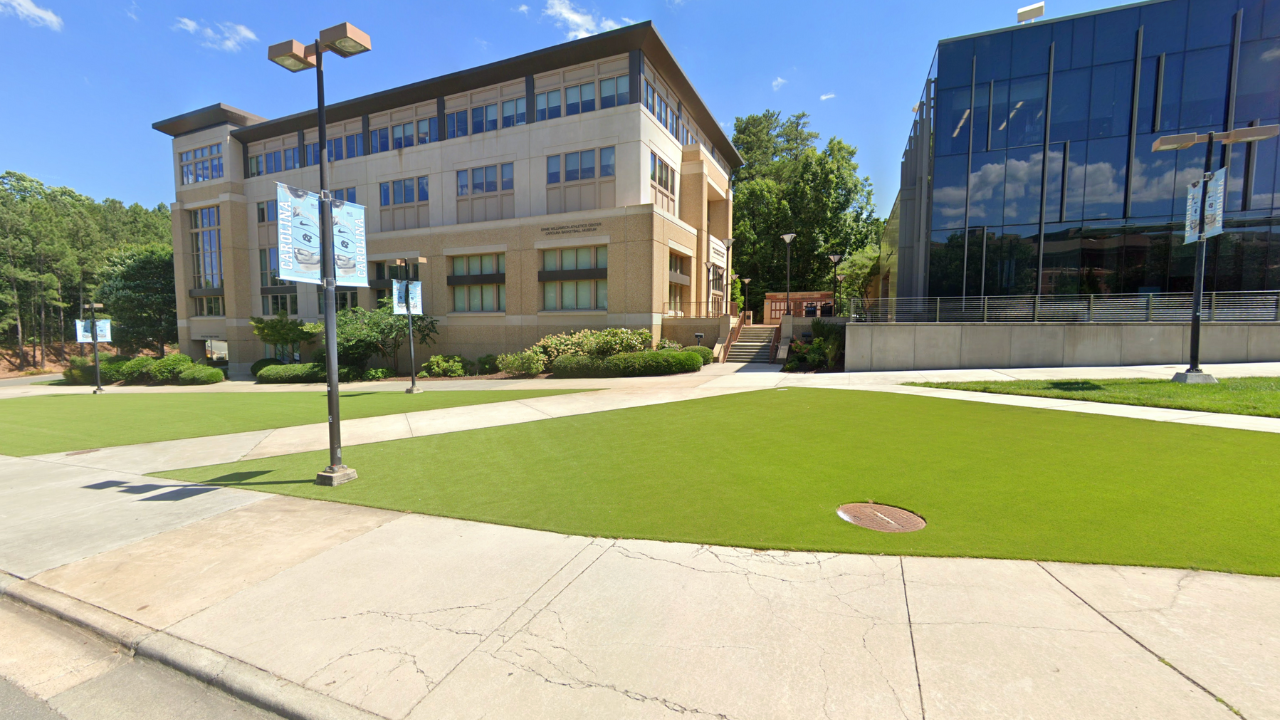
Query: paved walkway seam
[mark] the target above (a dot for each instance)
(911, 633)
(234, 677)
(1142, 645)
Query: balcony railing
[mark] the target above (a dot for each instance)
(699, 309)
(1259, 306)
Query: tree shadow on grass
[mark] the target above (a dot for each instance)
(1075, 386)
(244, 479)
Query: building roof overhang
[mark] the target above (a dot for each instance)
(218, 114)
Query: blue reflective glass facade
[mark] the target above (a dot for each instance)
(982, 212)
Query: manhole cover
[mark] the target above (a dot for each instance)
(882, 518)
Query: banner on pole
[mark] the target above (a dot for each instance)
(84, 331)
(298, 232)
(1215, 199)
(349, 252)
(414, 291)
(1192, 231)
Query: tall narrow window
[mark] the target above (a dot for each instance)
(206, 247)
(553, 169)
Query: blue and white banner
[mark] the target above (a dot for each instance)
(1214, 200)
(298, 233)
(1191, 233)
(84, 331)
(414, 290)
(349, 252)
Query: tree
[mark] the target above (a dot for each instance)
(138, 292)
(788, 186)
(282, 332)
(364, 333)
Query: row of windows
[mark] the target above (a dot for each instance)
(662, 174)
(485, 179)
(668, 117)
(480, 298)
(580, 165)
(275, 304)
(209, 306)
(401, 192)
(576, 295)
(206, 247)
(486, 264)
(576, 258)
(201, 164)
(269, 268)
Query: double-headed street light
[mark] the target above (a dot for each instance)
(1193, 373)
(787, 239)
(344, 41)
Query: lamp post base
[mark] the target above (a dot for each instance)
(1195, 377)
(98, 391)
(335, 476)
(413, 390)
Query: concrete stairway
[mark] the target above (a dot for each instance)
(752, 345)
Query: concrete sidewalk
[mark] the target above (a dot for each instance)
(308, 607)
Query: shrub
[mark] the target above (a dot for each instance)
(526, 363)
(668, 344)
(816, 355)
(79, 371)
(379, 374)
(167, 368)
(447, 366)
(112, 368)
(578, 366)
(487, 365)
(264, 362)
(306, 373)
(638, 364)
(703, 352)
(600, 343)
(200, 375)
(137, 370)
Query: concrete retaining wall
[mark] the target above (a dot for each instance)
(942, 346)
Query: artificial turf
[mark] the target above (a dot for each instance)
(1239, 396)
(61, 423)
(767, 469)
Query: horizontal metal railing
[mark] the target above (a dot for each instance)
(1258, 306)
(699, 309)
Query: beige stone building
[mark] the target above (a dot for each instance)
(580, 186)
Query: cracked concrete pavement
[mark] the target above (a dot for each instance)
(410, 616)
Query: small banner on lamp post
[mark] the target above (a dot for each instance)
(1192, 231)
(298, 231)
(349, 251)
(413, 291)
(84, 331)
(1215, 199)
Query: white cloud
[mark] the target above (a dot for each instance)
(484, 44)
(228, 37)
(628, 21)
(577, 22)
(826, 96)
(777, 84)
(523, 9)
(33, 14)
(132, 12)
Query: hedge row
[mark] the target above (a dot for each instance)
(307, 373)
(143, 369)
(637, 364)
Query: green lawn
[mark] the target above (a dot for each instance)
(767, 469)
(59, 423)
(1239, 396)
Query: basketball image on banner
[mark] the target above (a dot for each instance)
(298, 213)
(84, 331)
(349, 252)
(414, 292)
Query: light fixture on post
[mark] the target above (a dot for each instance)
(1196, 225)
(787, 239)
(343, 40)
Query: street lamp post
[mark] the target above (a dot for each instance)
(839, 279)
(93, 334)
(787, 239)
(344, 41)
(835, 265)
(1193, 374)
(746, 305)
(408, 309)
(728, 267)
(727, 292)
(710, 269)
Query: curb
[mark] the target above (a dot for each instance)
(234, 677)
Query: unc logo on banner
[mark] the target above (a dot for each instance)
(299, 230)
(411, 292)
(84, 331)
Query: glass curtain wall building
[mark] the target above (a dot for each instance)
(981, 212)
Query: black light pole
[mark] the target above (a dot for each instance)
(835, 267)
(839, 279)
(746, 299)
(1193, 374)
(93, 334)
(343, 40)
(787, 239)
(408, 308)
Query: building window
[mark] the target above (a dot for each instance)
(267, 211)
(346, 195)
(662, 179)
(513, 112)
(201, 164)
(576, 294)
(269, 268)
(548, 105)
(615, 91)
(553, 169)
(385, 271)
(402, 136)
(334, 145)
(206, 247)
(292, 158)
(275, 304)
(455, 124)
(379, 140)
(274, 163)
(572, 180)
(479, 297)
(312, 154)
(402, 192)
(347, 298)
(404, 204)
(255, 165)
(210, 306)
(580, 165)
(484, 119)
(428, 131)
(580, 99)
(355, 146)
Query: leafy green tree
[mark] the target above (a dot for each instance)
(364, 333)
(139, 293)
(282, 332)
(789, 186)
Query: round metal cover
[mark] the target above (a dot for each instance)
(882, 518)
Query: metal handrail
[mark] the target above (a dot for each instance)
(734, 332)
(711, 310)
(1234, 306)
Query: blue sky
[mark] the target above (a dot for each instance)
(85, 79)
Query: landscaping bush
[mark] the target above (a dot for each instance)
(306, 373)
(487, 364)
(200, 375)
(112, 368)
(137, 370)
(167, 368)
(816, 354)
(79, 371)
(703, 352)
(600, 343)
(264, 362)
(669, 344)
(638, 364)
(446, 366)
(379, 374)
(526, 363)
